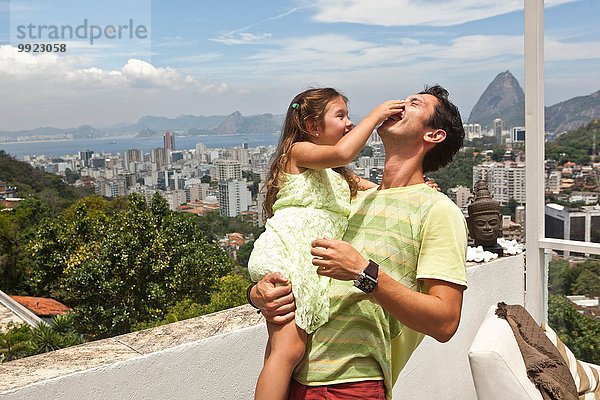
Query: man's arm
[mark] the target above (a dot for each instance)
(273, 297)
(435, 313)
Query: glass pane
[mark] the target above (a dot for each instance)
(573, 308)
(572, 81)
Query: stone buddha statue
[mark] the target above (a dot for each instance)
(484, 220)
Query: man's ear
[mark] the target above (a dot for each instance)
(435, 137)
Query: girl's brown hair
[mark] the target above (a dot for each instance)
(308, 106)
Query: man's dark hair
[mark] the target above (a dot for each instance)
(446, 117)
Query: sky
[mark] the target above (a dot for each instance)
(206, 58)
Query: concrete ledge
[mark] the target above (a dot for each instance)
(27, 371)
(219, 356)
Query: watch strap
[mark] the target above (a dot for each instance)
(372, 269)
(367, 279)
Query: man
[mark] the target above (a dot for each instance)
(400, 272)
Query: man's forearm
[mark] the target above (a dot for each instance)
(435, 313)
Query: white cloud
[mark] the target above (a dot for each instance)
(139, 73)
(481, 47)
(557, 50)
(13, 62)
(134, 74)
(416, 12)
(235, 38)
(343, 53)
(242, 36)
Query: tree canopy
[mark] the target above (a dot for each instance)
(575, 146)
(459, 172)
(117, 267)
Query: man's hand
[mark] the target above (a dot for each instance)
(337, 259)
(432, 183)
(273, 296)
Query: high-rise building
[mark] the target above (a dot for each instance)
(498, 125)
(553, 182)
(228, 169)
(517, 134)
(234, 197)
(169, 141)
(85, 157)
(196, 191)
(170, 180)
(241, 154)
(261, 196)
(159, 158)
(460, 195)
(472, 131)
(506, 180)
(378, 154)
(201, 152)
(175, 198)
(176, 156)
(132, 156)
(581, 224)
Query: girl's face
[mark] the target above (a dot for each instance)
(335, 123)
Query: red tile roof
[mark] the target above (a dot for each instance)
(41, 306)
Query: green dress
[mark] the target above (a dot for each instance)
(311, 205)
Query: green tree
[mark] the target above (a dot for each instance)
(498, 154)
(230, 291)
(577, 331)
(587, 283)
(216, 226)
(71, 176)
(459, 172)
(23, 341)
(560, 277)
(119, 267)
(243, 254)
(15, 343)
(30, 181)
(575, 145)
(10, 275)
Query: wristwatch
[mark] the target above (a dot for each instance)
(367, 280)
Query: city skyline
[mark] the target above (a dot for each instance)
(255, 57)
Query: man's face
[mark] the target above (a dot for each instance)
(412, 121)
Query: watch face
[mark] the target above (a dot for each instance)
(365, 283)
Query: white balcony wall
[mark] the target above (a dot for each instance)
(226, 365)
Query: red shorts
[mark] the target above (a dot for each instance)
(371, 390)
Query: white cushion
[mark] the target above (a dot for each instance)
(496, 363)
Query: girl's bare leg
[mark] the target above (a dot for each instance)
(284, 351)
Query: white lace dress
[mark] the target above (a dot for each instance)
(309, 206)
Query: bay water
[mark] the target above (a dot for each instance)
(57, 148)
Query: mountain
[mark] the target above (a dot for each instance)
(152, 126)
(237, 123)
(503, 98)
(573, 113)
(30, 181)
(82, 132)
(180, 123)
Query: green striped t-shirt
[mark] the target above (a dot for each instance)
(413, 232)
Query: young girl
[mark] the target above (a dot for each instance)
(308, 197)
